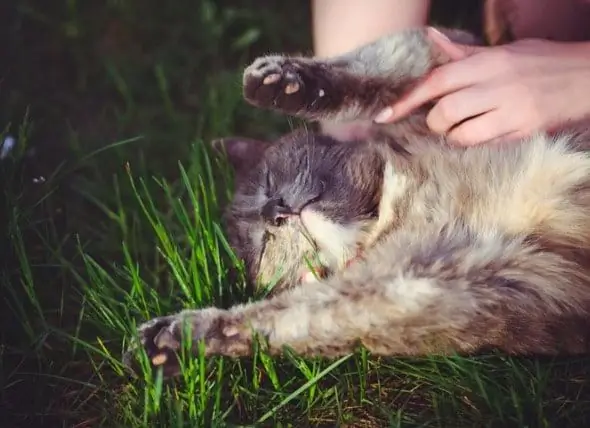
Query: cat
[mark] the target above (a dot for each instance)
(420, 247)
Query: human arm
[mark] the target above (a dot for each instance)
(340, 26)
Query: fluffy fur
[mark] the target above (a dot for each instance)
(426, 248)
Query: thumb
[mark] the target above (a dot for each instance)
(455, 51)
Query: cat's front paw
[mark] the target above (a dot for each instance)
(291, 85)
(163, 338)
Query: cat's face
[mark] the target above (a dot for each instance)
(304, 199)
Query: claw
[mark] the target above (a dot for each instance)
(291, 88)
(159, 359)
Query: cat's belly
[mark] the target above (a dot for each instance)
(540, 186)
(536, 207)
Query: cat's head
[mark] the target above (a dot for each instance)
(305, 198)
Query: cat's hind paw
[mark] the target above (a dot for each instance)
(287, 84)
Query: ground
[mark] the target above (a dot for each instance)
(110, 210)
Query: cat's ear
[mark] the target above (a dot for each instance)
(242, 153)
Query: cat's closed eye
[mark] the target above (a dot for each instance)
(276, 211)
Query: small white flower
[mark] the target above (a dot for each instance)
(38, 180)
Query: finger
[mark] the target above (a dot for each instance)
(441, 81)
(445, 44)
(459, 106)
(444, 79)
(454, 50)
(480, 129)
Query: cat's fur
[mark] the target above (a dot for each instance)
(429, 248)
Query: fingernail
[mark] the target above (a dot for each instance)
(384, 115)
(438, 33)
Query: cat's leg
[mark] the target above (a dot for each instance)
(445, 293)
(353, 86)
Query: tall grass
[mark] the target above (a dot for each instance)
(188, 267)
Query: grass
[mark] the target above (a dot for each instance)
(111, 203)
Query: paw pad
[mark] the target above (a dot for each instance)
(271, 78)
(287, 84)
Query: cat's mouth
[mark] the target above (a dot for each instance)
(328, 246)
(323, 272)
(333, 250)
(289, 226)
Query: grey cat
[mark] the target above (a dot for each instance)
(420, 247)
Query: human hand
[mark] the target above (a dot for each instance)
(507, 92)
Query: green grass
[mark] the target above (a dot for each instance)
(118, 100)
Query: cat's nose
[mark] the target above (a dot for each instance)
(275, 212)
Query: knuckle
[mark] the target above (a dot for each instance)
(447, 109)
(433, 123)
(442, 116)
(462, 135)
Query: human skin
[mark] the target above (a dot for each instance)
(503, 92)
(340, 26)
